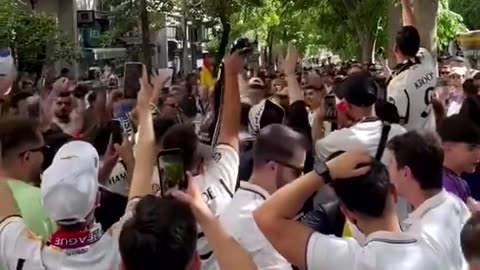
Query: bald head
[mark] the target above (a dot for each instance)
(279, 143)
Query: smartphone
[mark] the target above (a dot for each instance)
(171, 170)
(330, 108)
(166, 72)
(116, 131)
(131, 83)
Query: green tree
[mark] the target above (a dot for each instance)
(29, 33)
(469, 10)
(222, 12)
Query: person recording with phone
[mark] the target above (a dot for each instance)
(163, 230)
(216, 174)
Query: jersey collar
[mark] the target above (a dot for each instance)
(391, 238)
(246, 186)
(426, 206)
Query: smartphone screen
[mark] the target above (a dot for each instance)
(330, 108)
(131, 85)
(171, 170)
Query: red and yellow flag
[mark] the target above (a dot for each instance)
(206, 77)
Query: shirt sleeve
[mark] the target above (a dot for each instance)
(328, 145)
(224, 166)
(330, 252)
(18, 242)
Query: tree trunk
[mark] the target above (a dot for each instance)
(222, 47)
(394, 24)
(426, 14)
(367, 47)
(147, 50)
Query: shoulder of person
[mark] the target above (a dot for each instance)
(333, 142)
(397, 129)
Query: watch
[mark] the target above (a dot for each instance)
(322, 170)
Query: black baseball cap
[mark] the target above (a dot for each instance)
(359, 90)
(459, 129)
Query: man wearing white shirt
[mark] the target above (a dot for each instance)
(412, 87)
(278, 156)
(359, 94)
(216, 176)
(415, 167)
(368, 201)
(69, 195)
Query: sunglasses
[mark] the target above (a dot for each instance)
(297, 171)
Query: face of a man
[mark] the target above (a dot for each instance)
(467, 156)
(313, 98)
(63, 107)
(170, 108)
(396, 174)
(32, 159)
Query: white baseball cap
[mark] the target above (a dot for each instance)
(70, 185)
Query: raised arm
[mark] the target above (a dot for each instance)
(289, 66)
(407, 14)
(145, 158)
(228, 252)
(231, 108)
(275, 218)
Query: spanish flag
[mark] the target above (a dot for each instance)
(206, 77)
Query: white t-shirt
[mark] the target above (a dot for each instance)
(237, 219)
(440, 220)
(382, 251)
(363, 135)
(21, 249)
(217, 184)
(411, 92)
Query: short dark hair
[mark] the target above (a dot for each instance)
(460, 129)
(17, 133)
(366, 194)
(469, 238)
(162, 230)
(161, 126)
(408, 41)
(183, 136)
(277, 142)
(423, 154)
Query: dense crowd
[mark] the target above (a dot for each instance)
(344, 166)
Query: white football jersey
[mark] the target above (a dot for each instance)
(217, 184)
(411, 92)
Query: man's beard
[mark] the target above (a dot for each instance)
(63, 117)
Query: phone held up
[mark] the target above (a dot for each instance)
(330, 108)
(131, 84)
(171, 170)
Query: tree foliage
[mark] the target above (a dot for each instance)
(29, 33)
(125, 18)
(449, 25)
(469, 10)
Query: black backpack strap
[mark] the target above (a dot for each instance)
(383, 140)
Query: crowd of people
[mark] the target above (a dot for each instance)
(341, 167)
